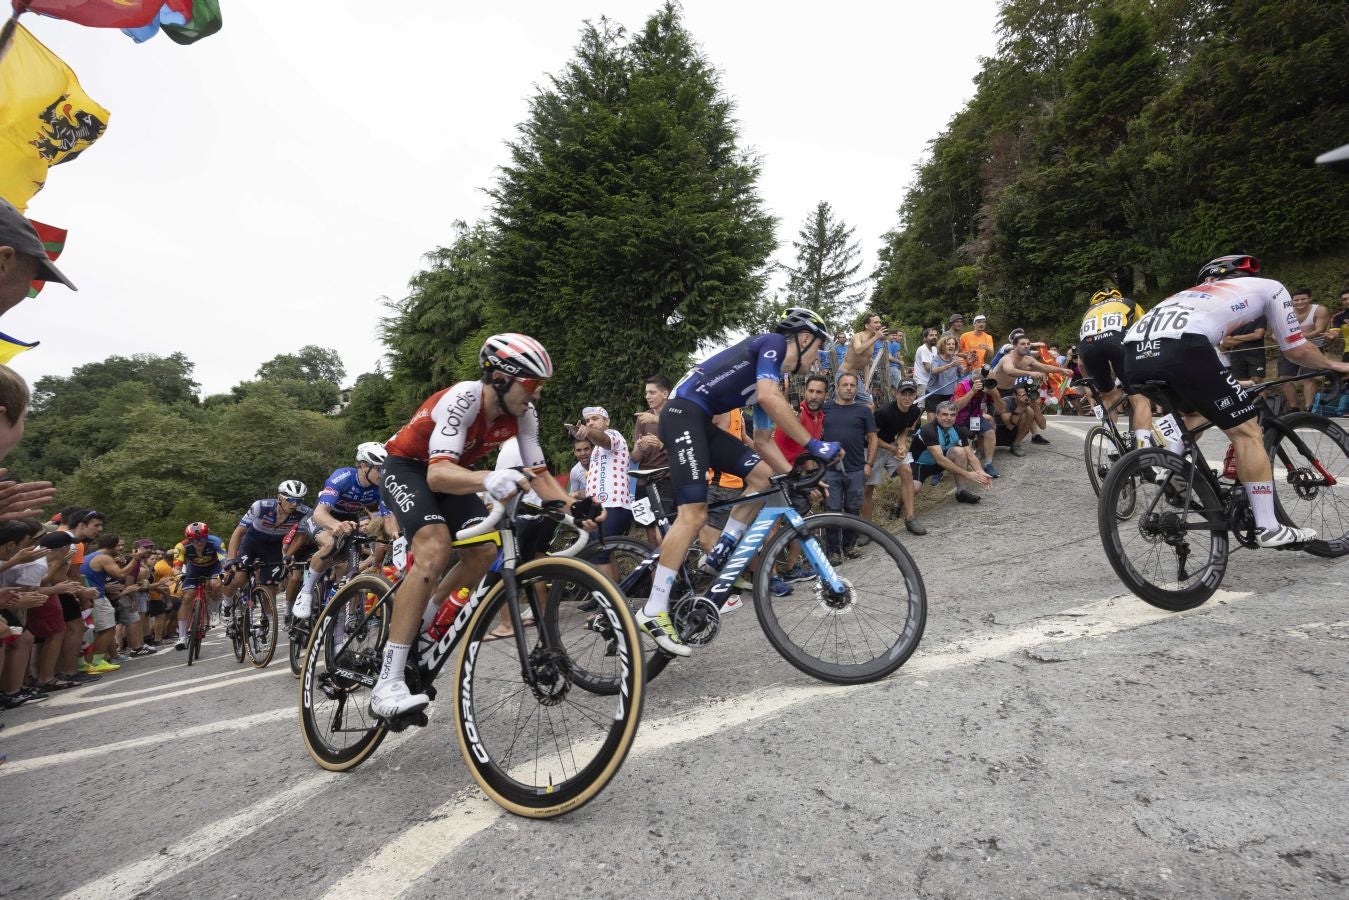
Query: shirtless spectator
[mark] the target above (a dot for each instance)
(978, 341)
(976, 399)
(862, 357)
(947, 449)
(1022, 362)
(647, 451)
(895, 425)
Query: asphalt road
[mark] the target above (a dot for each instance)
(1051, 738)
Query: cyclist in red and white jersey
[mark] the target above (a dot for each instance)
(428, 486)
(1177, 342)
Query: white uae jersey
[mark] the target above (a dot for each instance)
(1218, 308)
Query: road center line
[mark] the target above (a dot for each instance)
(394, 868)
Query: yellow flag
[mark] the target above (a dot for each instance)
(12, 347)
(46, 118)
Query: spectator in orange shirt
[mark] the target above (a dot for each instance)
(978, 341)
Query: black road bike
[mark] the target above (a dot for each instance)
(1165, 518)
(535, 735)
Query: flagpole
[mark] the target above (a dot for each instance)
(7, 33)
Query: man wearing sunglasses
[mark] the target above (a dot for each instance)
(349, 493)
(432, 492)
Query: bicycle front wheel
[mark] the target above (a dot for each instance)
(547, 748)
(1172, 551)
(196, 629)
(238, 630)
(1102, 450)
(859, 633)
(340, 667)
(260, 626)
(1312, 488)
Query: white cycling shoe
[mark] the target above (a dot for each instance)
(1285, 534)
(393, 699)
(304, 605)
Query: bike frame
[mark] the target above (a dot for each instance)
(748, 547)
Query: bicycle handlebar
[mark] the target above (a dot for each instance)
(500, 510)
(798, 479)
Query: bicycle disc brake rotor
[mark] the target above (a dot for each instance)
(832, 601)
(552, 675)
(697, 619)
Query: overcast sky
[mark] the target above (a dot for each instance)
(264, 188)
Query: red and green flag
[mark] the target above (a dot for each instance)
(54, 241)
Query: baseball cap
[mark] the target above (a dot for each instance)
(19, 233)
(955, 317)
(589, 411)
(981, 318)
(908, 384)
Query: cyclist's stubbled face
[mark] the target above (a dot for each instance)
(521, 395)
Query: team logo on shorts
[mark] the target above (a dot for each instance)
(1225, 403)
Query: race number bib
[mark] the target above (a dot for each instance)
(400, 553)
(642, 512)
(1099, 411)
(1162, 322)
(1104, 323)
(1168, 428)
(976, 422)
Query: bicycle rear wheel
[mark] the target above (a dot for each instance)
(1172, 551)
(260, 622)
(596, 671)
(1312, 489)
(546, 749)
(340, 667)
(859, 634)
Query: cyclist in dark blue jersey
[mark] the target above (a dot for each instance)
(347, 495)
(749, 372)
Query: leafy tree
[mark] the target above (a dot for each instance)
(372, 414)
(312, 377)
(827, 259)
(627, 200)
(450, 302)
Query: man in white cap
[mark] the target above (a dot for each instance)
(978, 341)
(607, 476)
(23, 259)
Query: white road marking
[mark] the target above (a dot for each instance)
(83, 697)
(391, 870)
(25, 727)
(139, 877)
(104, 751)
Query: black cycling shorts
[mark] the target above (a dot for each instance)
(1103, 359)
(695, 444)
(405, 491)
(266, 552)
(1195, 375)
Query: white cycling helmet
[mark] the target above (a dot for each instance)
(371, 453)
(517, 355)
(293, 489)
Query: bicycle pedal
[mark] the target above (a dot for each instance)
(401, 723)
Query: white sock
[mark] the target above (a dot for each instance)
(733, 530)
(310, 576)
(1261, 495)
(1144, 439)
(182, 630)
(395, 661)
(661, 582)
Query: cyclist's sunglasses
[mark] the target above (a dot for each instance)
(531, 385)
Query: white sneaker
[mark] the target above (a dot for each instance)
(393, 699)
(303, 606)
(1285, 534)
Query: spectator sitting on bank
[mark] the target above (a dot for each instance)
(895, 425)
(946, 448)
(976, 398)
(1022, 363)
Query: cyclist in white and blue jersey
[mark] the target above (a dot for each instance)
(748, 372)
(259, 534)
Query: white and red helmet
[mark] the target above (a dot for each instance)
(516, 355)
